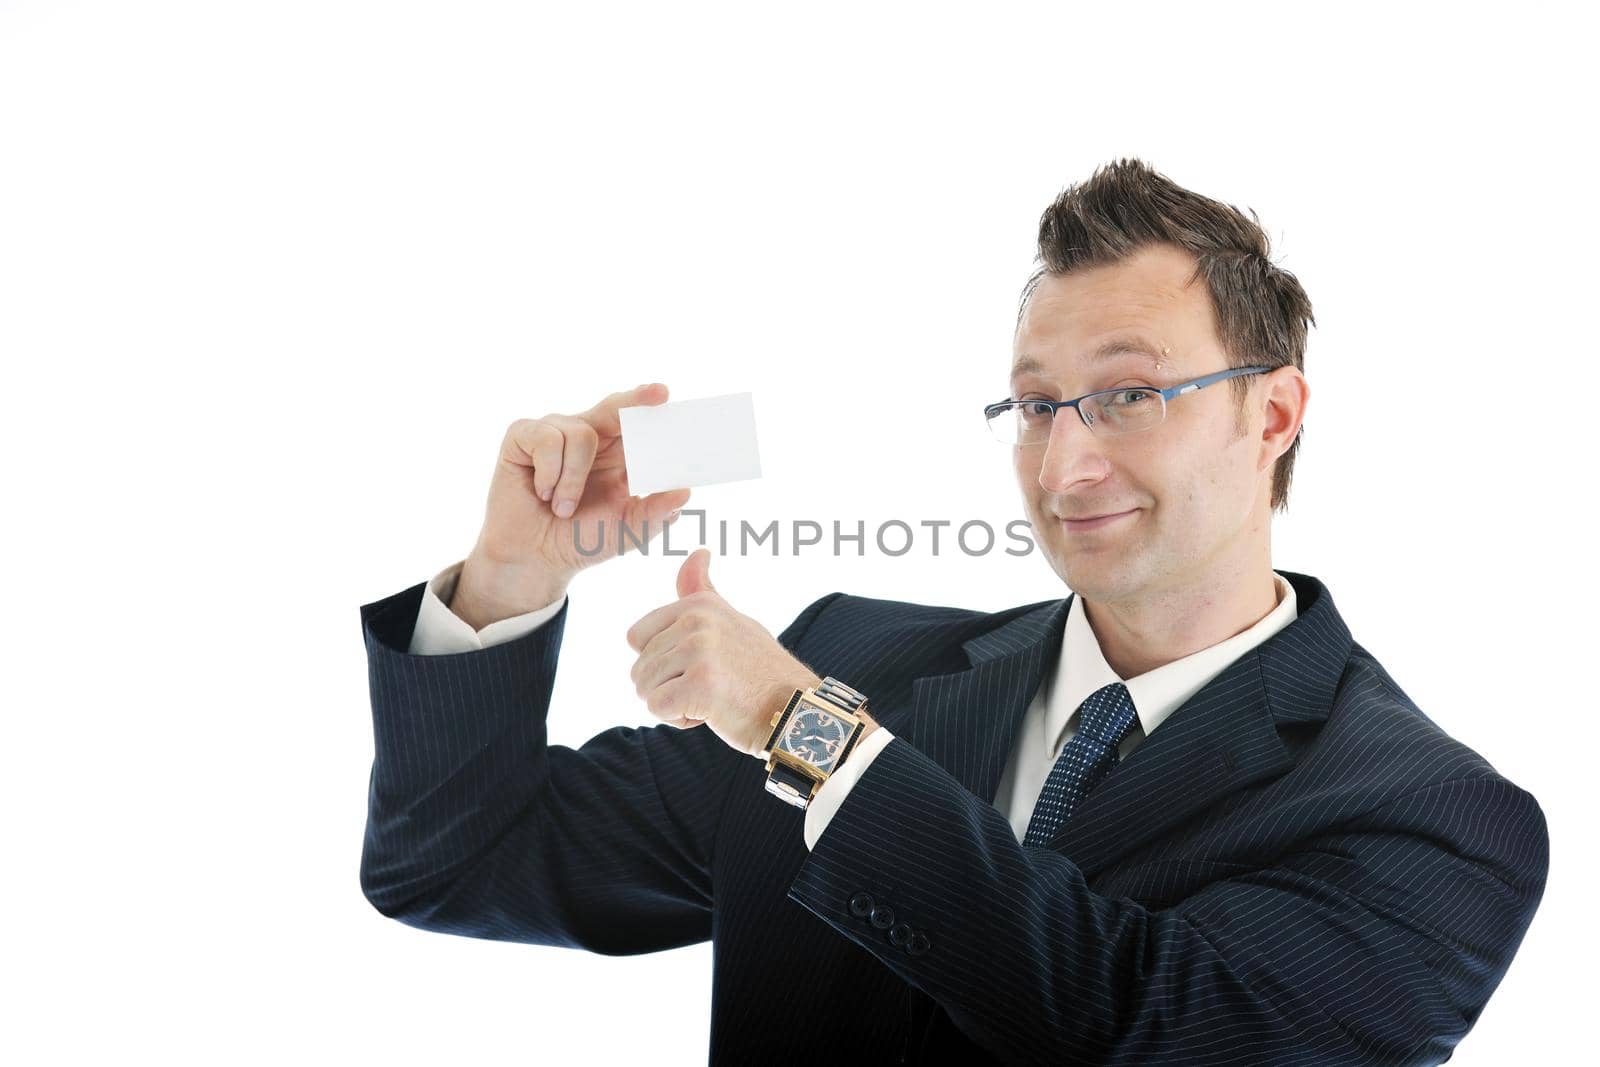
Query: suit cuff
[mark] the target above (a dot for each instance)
(440, 631)
(839, 783)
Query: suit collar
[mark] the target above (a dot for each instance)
(1156, 693)
(1220, 740)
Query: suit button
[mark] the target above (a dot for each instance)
(860, 904)
(883, 916)
(899, 934)
(918, 944)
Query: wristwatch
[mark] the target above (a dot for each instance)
(811, 737)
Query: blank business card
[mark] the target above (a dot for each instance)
(686, 443)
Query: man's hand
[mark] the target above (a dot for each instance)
(558, 479)
(701, 661)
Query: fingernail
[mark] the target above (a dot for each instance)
(565, 508)
(544, 494)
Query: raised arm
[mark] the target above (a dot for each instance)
(476, 826)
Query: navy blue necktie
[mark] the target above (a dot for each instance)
(1104, 719)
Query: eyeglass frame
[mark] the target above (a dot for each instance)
(1167, 395)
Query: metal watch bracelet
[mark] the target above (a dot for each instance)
(836, 692)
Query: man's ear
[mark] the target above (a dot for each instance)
(1284, 397)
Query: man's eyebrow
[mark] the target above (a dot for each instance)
(1117, 346)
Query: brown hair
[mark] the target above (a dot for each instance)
(1262, 312)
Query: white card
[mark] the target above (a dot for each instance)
(685, 443)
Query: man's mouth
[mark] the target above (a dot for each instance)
(1095, 522)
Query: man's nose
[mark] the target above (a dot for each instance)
(1072, 454)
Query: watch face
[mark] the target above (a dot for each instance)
(815, 735)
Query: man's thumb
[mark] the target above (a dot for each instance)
(695, 574)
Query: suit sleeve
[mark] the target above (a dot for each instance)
(476, 826)
(440, 631)
(1375, 944)
(837, 787)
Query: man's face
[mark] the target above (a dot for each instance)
(1195, 489)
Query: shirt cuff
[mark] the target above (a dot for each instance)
(837, 787)
(440, 631)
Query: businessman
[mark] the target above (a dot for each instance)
(1175, 816)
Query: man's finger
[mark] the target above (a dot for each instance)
(603, 416)
(668, 701)
(661, 660)
(577, 456)
(641, 632)
(537, 444)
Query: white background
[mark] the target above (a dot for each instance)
(274, 277)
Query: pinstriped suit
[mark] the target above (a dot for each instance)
(1298, 867)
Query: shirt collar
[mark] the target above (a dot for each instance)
(1082, 668)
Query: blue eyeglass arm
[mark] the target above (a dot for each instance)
(1210, 379)
(1167, 394)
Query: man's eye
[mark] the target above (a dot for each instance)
(1034, 410)
(1129, 398)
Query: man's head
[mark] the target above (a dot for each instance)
(1128, 256)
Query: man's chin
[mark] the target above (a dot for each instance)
(1096, 576)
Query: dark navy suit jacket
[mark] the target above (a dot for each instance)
(1297, 867)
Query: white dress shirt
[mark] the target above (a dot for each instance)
(1047, 725)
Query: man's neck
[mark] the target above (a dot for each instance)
(1174, 623)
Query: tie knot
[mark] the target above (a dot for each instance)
(1107, 714)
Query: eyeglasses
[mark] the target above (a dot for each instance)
(1128, 409)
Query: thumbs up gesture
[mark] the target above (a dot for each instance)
(700, 661)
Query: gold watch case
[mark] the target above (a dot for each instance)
(811, 734)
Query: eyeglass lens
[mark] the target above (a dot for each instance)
(1121, 411)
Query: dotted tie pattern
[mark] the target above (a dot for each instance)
(1104, 719)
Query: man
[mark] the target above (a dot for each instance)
(1178, 816)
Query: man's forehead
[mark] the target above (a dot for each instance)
(1142, 309)
(1132, 347)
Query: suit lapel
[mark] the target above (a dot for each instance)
(1221, 740)
(967, 721)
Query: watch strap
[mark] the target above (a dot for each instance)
(784, 775)
(836, 692)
